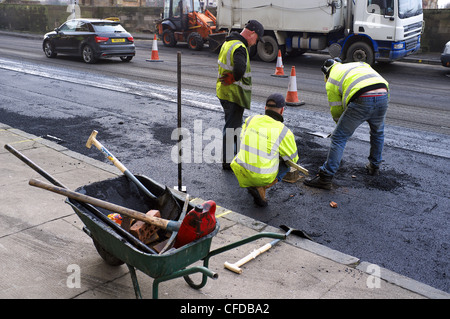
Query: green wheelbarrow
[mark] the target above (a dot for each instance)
(116, 249)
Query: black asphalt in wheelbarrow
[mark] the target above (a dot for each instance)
(173, 263)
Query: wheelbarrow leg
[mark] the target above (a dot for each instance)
(185, 273)
(137, 291)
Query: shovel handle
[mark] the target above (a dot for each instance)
(93, 141)
(158, 222)
(297, 167)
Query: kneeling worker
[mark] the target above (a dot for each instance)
(265, 144)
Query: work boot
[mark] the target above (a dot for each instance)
(321, 180)
(259, 195)
(372, 169)
(271, 184)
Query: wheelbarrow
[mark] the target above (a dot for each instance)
(116, 250)
(117, 246)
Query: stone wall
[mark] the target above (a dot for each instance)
(437, 30)
(44, 18)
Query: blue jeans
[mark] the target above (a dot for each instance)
(283, 169)
(370, 109)
(233, 120)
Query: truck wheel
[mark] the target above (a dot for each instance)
(268, 51)
(195, 41)
(168, 38)
(360, 52)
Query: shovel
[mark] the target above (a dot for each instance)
(236, 266)
(167, 204)
(186, 229)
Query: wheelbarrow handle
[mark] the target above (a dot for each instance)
(244, 241)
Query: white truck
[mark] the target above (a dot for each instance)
(354, 30)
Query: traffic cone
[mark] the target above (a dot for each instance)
(155, 55)
(292, 96)
(279, 70)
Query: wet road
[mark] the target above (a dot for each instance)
(399, 220)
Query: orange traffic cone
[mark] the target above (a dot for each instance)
(155, 55)
(279, 70)
(292, 96)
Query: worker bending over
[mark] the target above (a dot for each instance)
(265, 144)
(356, 93)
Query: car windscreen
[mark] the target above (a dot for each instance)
(107, 27)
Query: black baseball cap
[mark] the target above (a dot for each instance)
(278, 99)
(254, 25)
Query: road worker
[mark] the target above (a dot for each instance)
(356, 93)
(265, 144)
(234, 83)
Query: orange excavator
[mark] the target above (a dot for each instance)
(186, 21)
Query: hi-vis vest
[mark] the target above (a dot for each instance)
(347, 79)
(239, 92)
(263, 141)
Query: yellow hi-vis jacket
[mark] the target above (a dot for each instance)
(263, 141)
(240, 92)
(347, 79)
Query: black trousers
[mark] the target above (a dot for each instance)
(233, 123)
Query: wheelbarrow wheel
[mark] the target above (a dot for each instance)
(107, 257)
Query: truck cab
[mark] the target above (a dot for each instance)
(362, 30)
(383, 30)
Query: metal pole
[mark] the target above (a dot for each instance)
(180, 138)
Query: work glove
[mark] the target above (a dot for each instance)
(227, 79)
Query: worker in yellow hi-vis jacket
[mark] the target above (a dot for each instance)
(265, 144)
(356, 94)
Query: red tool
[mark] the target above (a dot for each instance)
(199, 222)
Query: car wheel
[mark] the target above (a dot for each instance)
(88, 54)
(126, 58)
(48, 50)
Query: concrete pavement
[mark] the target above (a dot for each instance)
(42, 246)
